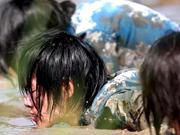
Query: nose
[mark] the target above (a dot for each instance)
(27, 101)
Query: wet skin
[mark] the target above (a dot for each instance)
(46, 118)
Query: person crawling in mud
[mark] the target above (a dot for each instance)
(160, 79)
(63, 79)
(112, 25)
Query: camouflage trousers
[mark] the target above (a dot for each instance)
(118, 105)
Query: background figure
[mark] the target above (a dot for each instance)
(23, 18)
(160, 78)
(12, 19)
(113, 25)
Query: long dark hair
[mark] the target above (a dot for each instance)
(160, 77)
(19, 18)
(56, 58)
(12, 17)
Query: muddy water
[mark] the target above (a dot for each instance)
(12, 122)
(13, 119)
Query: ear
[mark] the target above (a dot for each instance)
(70, 89)
(68, 7)
(33, 82)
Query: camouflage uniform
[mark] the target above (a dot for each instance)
(112, 24)
(118, 104)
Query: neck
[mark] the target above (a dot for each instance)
(72, 118)
(72, 114)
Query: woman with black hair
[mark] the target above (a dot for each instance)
(57, 66)
(160, 78)
(64, 80)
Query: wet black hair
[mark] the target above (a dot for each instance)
(160, 78)
(22, 18)
(56, 58)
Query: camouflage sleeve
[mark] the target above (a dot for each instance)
(122, 110)
(118, 104)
